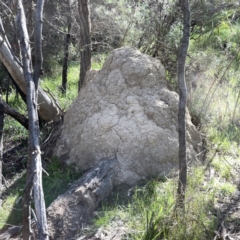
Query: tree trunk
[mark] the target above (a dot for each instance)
(38, 42)
(85, 38)
(34, 170)
(182, 104)
(39, 200)
(65, 60)
(48, 110)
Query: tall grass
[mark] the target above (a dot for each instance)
(151, 213)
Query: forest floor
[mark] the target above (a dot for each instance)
(226, 207)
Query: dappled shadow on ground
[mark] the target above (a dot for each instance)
(227, 211)
(14, 164)
(121, 197)
(13, 207)
(14, 158)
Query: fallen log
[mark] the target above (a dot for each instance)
(11, 232)
(70, 210)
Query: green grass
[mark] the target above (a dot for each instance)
(11, 209)
(59, 176)
(14, 130)
(58, 180)
(53, 84)
(53, 185)
(151, 213)
(148, 214)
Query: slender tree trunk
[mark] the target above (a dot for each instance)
(39, 200)
(34, 170)
(182, 104)
(38, 42)
(65, 60)
(85, 38)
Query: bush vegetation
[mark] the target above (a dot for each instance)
(148, 212)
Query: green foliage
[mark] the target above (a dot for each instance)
(12, 129)
(98, 60)
(54, 185)
(11, 209)
(58, 180)
(53, 84)
(225, 189)
(195, 177)
(151, 213)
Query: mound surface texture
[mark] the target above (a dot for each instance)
(126, 110)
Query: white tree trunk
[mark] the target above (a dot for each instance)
(34, 171)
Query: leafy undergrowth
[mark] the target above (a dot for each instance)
(148, 212)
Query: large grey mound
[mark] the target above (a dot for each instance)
(126, 110)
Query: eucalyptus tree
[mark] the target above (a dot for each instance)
(34, 168)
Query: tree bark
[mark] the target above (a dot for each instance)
(39, 200)
(38, 42)
(48, 110)
(182, 104)
(11, 232)
(65, 60)
(85, 39)
(34, 169)
(71, 210)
